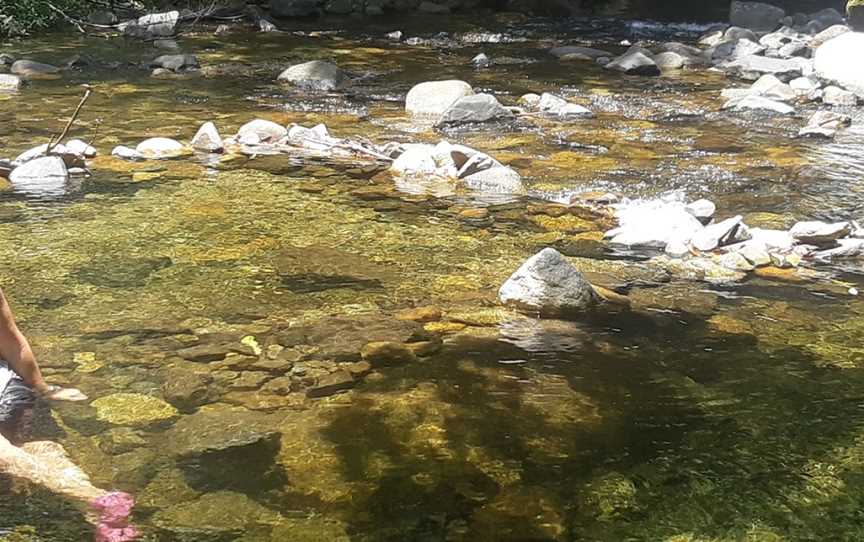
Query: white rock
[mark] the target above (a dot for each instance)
(417, 159)
(837, 96)
(433, 98)
(772, 240)
(726, 232)
(554, 105)
(126, 153)
(839, 60)
(549, 285)
(759, 103)
(160, 147)
(81, 148)
(207, 139)
(702, 209)
(260, 131)
(47, 175)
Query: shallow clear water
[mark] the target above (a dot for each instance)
(709, 412)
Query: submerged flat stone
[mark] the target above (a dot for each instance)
(133, 409)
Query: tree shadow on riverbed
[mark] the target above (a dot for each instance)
(671, 428)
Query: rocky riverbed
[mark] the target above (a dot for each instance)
(305, 336)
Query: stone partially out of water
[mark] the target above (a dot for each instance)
(175, 63)
(759, 103)
(839, 60)
(550, 104)
(153, 25)
(47, 174)
(160, 147)
(549, 285)
(260, 131)
(133, 409)
(81, 148)
(314, 75)
(825, 124)
(433, 98)
(634, 62)
(475, 108)
(207, 139)
(731, 230)
(820, 233)
(34, 70)
(837, 96)
(126, 153)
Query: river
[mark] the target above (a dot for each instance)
(710, 412)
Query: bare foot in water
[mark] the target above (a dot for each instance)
(114, 510)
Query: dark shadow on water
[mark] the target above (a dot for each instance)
(709, 434)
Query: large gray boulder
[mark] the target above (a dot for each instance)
(549, 285)
(475, 108)
(756, 16)
(839, 60)
(314, 75)
(433, 98)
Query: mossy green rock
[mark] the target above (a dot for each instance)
(133, 409)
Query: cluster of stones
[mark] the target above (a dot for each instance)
(689, 231)
(793, 59)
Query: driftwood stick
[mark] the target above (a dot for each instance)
(52, 143)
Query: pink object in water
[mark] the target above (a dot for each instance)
(106, 533)
(114, 510)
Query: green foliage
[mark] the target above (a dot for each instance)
(22, 16)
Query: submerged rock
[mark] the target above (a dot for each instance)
(207, 139)
(314, 75)
(549, 285)
(475, 108)
(331, 384)
(223, 515)
(574, 52)
(133, 409)
(434, 98)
